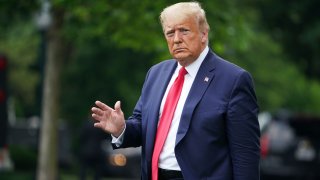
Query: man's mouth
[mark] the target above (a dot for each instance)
(178, 50)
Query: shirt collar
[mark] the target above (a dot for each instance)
(194, 67)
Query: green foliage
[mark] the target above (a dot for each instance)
(126, 24)
(113, 43)
(24, 158)
(20, 44)
(108, 74)
(17, 175)
(296, 25)
(15, 10)
(114, 47)
(279, 84)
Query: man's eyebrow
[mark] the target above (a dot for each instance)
(169, 31)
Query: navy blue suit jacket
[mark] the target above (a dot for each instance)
(218, 134)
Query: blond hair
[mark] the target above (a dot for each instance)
(187, 10)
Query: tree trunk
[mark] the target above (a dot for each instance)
(48, 152)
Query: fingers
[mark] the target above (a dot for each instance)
(108, 119)
(103, 106)
(97, 117)
(98, 125)
(97, 111)
(103, 110)
(117, 106)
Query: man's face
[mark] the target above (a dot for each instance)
(184, 38)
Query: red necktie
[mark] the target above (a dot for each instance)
(166, 118)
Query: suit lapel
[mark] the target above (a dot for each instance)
(153, 114)
(204, 77)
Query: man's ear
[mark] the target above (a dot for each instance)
(204, 36)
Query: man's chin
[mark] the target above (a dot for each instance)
(183, 60)
(180, 55)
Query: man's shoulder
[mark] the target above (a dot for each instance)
(226, 65)
(166, 62)
(164, 65)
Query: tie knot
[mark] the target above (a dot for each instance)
(182, 71)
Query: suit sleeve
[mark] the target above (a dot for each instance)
(243, 129)
(132, 136)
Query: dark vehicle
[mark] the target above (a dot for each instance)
(124, 163)
(98, 157)
(290, 147)
(23, 140)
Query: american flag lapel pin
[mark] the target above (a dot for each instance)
(206, 79)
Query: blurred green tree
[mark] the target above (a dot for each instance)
(296, 25)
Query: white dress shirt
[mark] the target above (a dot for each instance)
(167, 158)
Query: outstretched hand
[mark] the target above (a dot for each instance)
(108, 119)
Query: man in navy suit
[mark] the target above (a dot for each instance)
(214, 133)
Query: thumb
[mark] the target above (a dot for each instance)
(117, 106)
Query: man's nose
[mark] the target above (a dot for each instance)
(177, 37)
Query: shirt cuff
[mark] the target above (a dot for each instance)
(118, 140)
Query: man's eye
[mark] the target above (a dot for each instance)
(169, 34)
(184, 31)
